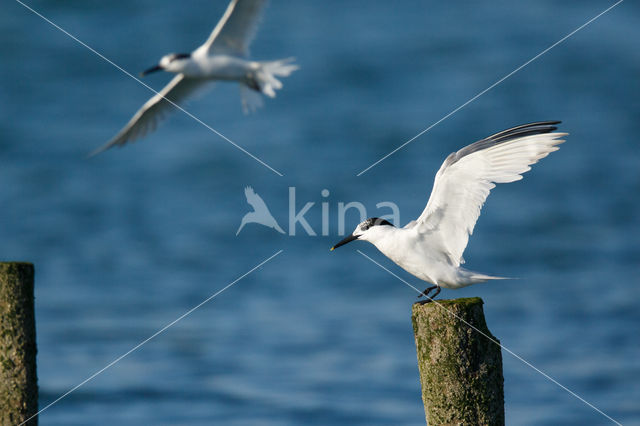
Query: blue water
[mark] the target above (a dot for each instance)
(128, 241)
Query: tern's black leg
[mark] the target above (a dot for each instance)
(427, 291)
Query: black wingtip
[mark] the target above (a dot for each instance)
(101, 149)
(537, 127)
(97, 151)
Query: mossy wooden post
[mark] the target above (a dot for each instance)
(18, 379)
(460, 369)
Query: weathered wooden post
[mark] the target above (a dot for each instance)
(460, 368)
(18, 379)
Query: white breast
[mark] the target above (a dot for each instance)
(410, 250)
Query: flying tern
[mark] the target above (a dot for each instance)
(223, 57)
(431, 246)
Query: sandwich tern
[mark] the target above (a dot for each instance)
(223, 57)
(431, 246)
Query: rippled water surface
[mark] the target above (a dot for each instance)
(126, 242)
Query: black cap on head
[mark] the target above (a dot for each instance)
(374, 221)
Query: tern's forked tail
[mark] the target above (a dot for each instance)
(264, 81)
(269, 70)
(466, 277)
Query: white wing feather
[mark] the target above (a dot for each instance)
(154, 111)
(236, 29)
(465, 179)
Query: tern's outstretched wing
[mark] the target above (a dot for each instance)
(255, 200)
(236, 29)
(465, 178)
(153, 111)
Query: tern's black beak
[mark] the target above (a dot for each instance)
(345, 241)
(150, 70)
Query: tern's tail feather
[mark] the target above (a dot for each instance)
(466, 277)
(482, 277)
(269, 70)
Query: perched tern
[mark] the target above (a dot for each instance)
(222, 57)
(431, 246)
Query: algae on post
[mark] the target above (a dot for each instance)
(18, 377)
(460, 363)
